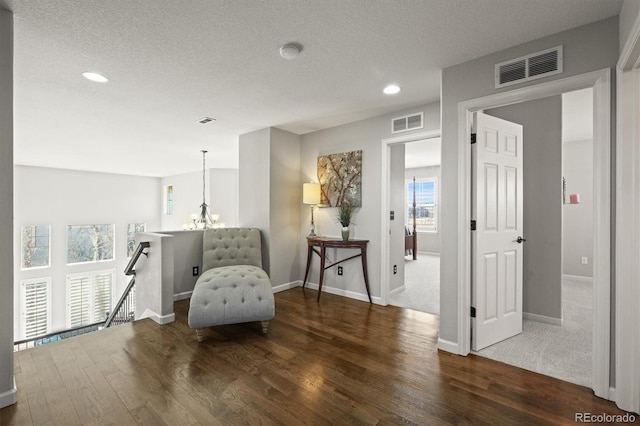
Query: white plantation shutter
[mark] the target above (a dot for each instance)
(102, 296)
(78, 300)
(89, 297)
(36, 307)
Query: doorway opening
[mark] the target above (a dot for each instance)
(557, 329)
(419, 289)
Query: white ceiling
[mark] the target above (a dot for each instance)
(171, 63)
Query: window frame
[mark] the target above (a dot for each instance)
(421, 229)
(91, 275)
(30, 268)
(23, 307)
(113, 245)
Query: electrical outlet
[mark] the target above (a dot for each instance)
(584, 260)
(395, 269)
(339, 270)
(195, 271)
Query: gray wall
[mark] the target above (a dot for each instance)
(221, 195)
(270, 198)
(577, 230)
(587, 48)
(397, 204)
(88, 198)
(628, 14)
(187, 253)
(542, 176)
(365, 135)
(7, 390)
(428, 242)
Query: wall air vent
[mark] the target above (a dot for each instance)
(530, 67)
(206, 120)
(408, 122)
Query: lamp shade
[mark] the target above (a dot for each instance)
(311, 193)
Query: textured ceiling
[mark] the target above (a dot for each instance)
(171, 63)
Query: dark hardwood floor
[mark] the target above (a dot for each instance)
(337, 362)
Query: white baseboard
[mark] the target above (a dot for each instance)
(397, 290)
(182, 296)
(287, 286)
(542, 318)
(9, 397)
(578, 278)
(448, 346)
(345, 293)
(160, 319)
(612, 394)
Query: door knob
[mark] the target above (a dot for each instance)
(520, 240)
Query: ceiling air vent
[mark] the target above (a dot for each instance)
(530, 67)
(408, 122)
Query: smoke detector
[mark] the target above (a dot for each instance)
(289, 51)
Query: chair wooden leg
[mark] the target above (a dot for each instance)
(200, 332)
(265, 326)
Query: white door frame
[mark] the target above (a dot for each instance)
(627, 392)
(600, 81)
(385, 204)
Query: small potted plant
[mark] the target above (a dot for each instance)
(345, 211)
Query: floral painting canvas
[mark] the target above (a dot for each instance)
(340, 177)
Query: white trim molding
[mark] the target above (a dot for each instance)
(9, 397)
(578, 278)
(182, 296)
(160, 319)
(345, 293)
(448, 346)
(543, 319)
(627, 267)
(385, 229)
(600, 81)
(287, 286)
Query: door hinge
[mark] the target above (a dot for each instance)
(473, 138)
(473, 312)
(473, 225)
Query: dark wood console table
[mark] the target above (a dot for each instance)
(323, 243)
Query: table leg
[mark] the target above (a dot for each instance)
(364, 271)
(322, 259)
(306, 273)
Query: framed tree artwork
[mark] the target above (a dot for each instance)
(340, 177)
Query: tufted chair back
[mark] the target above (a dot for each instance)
(231, 246)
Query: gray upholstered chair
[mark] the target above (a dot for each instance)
(233, 287)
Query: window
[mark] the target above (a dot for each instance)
(36, 307)
(89, 297)
(132, 228)
(426, 191)
(169, 199)
(35, 246)
(89, 243)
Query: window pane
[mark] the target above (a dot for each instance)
(89, 243)
(426, 209)
(132, 228)
(35, 246)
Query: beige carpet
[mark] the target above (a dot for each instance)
(563, 352)
(422, 285)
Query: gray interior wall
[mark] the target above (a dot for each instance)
(254, 186)
(542, 176)
(428, 242)
(221, 195)
(285, 200)
(577, 231)
(587, 48)
(365, 135)
(7, 389)
(628, 15)
(397, 204)
(187, 254)
(89, 198)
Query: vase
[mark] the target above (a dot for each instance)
(345, 233)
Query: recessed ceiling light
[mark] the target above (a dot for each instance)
(94, 76)
(392, 89)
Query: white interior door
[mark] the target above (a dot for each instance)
(496, 244)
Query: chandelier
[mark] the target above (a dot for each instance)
(205, 219)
